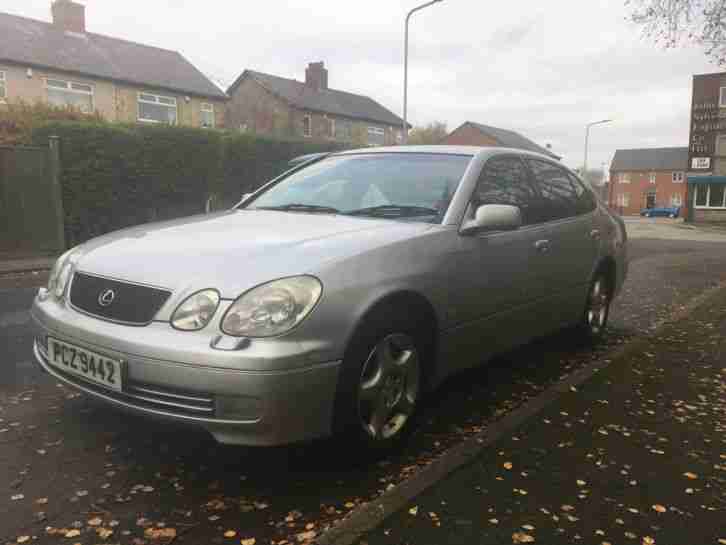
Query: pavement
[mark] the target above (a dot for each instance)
(637, 454)
(14, 264)
(68, 462)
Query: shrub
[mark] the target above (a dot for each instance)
(116, 176)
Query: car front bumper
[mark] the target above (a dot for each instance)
(220, 391)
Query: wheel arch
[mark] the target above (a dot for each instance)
(608, 267)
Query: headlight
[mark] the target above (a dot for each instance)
(196, 310)
(273, 308)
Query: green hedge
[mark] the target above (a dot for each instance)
(115, 176)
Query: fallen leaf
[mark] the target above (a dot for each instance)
(41, 501)
(580, 482)
(17, 497)
(104, 533)
(248, 541)
(413, 511)
(230, 533)
(72, 533)
(349, 505)
(160, 533)
(306, 536)
(507, 465)
(659, 508)
(82, 493)
(647, 540)
(521, 537)
(567, 507)
(95, 522)
(494, 521)
(690, 475)
(23, 539)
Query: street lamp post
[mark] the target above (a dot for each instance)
(405, 68)
(587, 140)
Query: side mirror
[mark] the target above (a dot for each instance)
(493, 217)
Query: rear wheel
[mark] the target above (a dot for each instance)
(597, 307)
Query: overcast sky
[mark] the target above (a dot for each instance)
(544, 69)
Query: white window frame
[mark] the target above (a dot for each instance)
(652, 178)
(722, 97)
(332, 127)
(678, 177)
(69, 88)
(207, 107)
(624, 177)
(676, 199)
(3, 86)
(377, 131)
(156, 102)
(309, 132)
(623, 199)
(697, 189)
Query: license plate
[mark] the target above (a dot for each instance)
(84, 363)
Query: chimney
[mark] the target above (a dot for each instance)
(316, 75)
(68, 15)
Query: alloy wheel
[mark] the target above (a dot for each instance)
(598, 306)
(389, 387)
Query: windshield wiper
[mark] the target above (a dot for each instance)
(394, 210)
(301, 208)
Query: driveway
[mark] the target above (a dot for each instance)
(75, 467)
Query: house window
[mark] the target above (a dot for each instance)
(710, 195)
(343, 130)
(676, 200)
(623, 199)
(652, 177)
(3, 88)
(722, 98)
(157, 109)
(624, 177)
(678, 177)
(206, 116)
(307, 126)
(65, 94)
(376, 136)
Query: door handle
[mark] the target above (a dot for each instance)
(542, 246)
(595, 233)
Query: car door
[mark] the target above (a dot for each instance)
(496, 273)
(571, 239)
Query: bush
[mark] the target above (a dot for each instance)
(116, 176)
(18, 119)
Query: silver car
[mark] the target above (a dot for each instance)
(335, 296)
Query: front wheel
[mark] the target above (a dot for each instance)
(382, 381)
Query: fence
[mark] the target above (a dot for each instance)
(31, 210)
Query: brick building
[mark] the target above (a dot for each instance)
(476, 134)
(267, 104)
(63, 64)
(707, 149)
(647, 178)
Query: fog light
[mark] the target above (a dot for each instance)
(43, 294)
(239, 407)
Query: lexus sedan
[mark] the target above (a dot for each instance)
(334, 297)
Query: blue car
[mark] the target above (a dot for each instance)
(661, 211)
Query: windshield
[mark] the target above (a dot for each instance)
(414, 186)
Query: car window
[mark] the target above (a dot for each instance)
(559, 197)
(504, 180)
(586, 201)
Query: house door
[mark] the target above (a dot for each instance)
(650, 199)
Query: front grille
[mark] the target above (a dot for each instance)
(133, 304)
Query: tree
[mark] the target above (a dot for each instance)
(671, 22)
(433, 133)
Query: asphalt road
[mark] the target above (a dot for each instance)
(67, 461)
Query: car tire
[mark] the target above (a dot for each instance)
(381, 382)
(597, 307)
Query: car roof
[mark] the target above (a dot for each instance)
(446, 150)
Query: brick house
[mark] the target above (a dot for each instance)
(647, 178)
(707, 149)
(476, 134)
(62, 64)
(267, 104)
